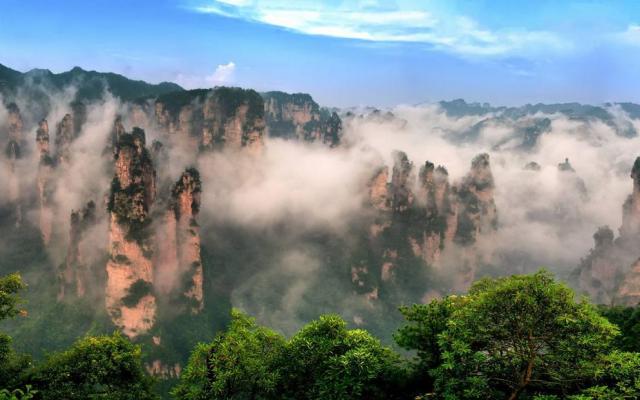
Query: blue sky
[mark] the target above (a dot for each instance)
(344, 52)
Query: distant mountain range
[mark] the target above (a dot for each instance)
(607, 113)
(528, 122)
(91, 84)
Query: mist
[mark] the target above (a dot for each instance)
(269, 220)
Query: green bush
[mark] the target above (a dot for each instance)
(103, 367)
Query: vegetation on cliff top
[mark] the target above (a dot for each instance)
(130, 204)
(192, 176)
(298, 99)
(229, 99)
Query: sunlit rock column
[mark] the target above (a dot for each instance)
(130, 298)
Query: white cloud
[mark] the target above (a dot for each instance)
(224, 74)
(630, 36)
(350, 20)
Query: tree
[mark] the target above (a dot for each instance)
(12, 363)
(325, 360)
(618, 378)
(103, 367)
(425, 324)
(10, 286)
(628, 320)
(517, 334)
(240, 363)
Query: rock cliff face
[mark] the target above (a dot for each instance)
(570, 179)
(476, 207)
(179, 266)
(148, 260)
(631, 208)
(44, 181)
(67, 130)
(116, 133)
(130, 300)
(630, 232)
(417, 219)
(599, 272)
(65, 133)
(75, 274)
(402, 183)
(475, 217)
(298, 116)
(13, 153)
(610, 273)
(434, 193)
(229, 118)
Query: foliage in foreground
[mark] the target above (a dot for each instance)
(94, 367)
(106, 367)
(521, 337)
(518, 337)
(323, 360)
(10, 362)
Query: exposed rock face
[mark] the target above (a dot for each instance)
(179, 243)
(416, 221)
(75, 274)
(379, 201)
(477, 209)
(599, 271)
(629, 292)
(378, 190)
(117, 132)
(298, 116)
(67, 130)
(477, 216)
(42, 138)
(401, 181)
(532, 166)
(571, 179)
(160, 370)
(610, 274)
(229, 118)
(129, 296)
(64, 136)
(15, 123)
(630, 288)
(13, 153)
(434, 193)
(138, 115)
(44, 182)
(631, 208)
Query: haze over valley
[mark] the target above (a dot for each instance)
(150, 211)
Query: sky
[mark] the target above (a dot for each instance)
(344, 53)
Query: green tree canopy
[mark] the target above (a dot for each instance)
(241, 363)
(11, 364)
(425, 324)
(628, 320)
(10, 286)
(509, 336)
(103, 367)
(323, 360)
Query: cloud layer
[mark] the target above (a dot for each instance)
(413, 23)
